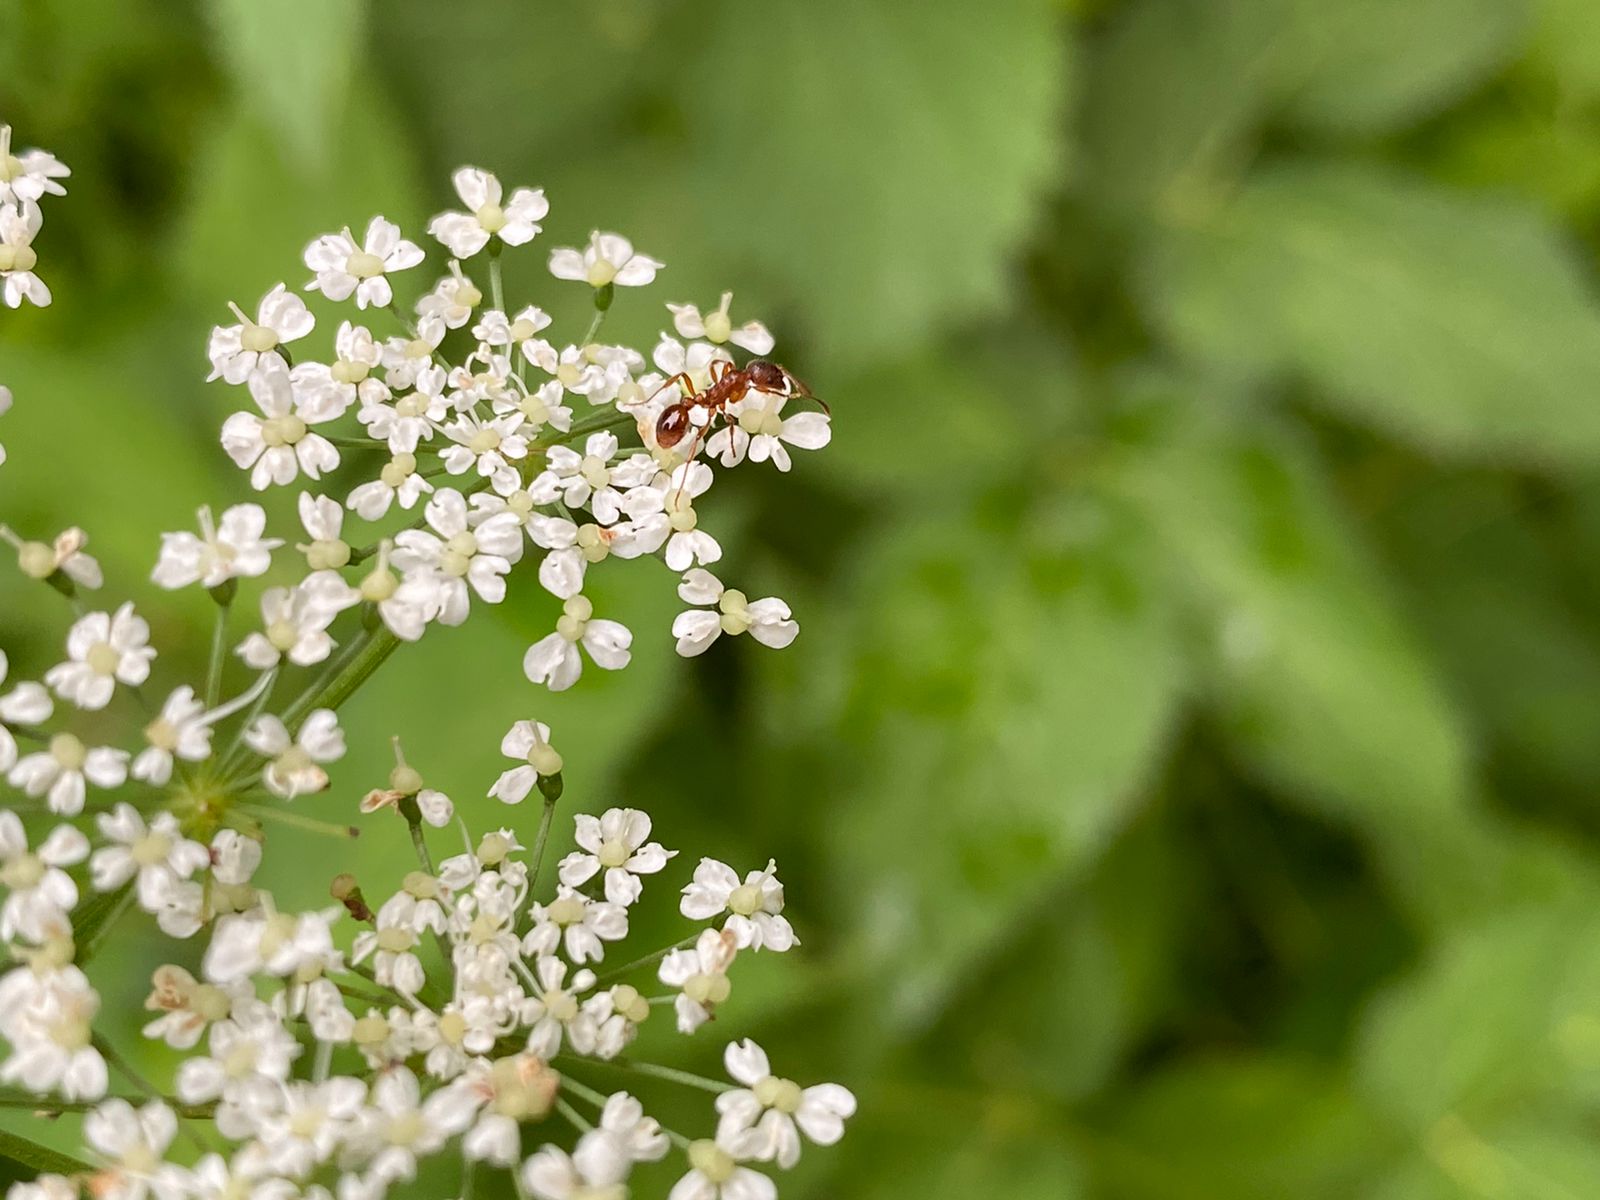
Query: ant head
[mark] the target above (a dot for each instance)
(672, 425)
(767, 376)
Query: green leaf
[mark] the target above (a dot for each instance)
(1502, 1017)
(18, 1149)
(254, 208)
(1247, 1128)
(1526, 1160)
(877, 159)
(1369, 66)
(1460, 323)
(1011, 694)
(1218, 64)
(292, 61)
(91, 918)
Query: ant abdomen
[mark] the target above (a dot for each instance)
(672, 425)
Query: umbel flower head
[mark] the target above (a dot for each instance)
(483, 1003)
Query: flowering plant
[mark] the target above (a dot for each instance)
(328, 1051)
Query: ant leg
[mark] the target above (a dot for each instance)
(682, 380)
(720, 367)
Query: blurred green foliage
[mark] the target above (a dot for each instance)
(1186, 779)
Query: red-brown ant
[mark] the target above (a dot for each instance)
(729, 385)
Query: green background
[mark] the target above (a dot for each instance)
(1185, 780)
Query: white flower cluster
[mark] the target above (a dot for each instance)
(462, 1012)
(470, 410)
(328, 1051)
(24, 179)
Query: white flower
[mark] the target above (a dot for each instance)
(46, 1014)
(554, 660)
(234, 548)
(607, 259)
(405, 605)
(18, 228)
(311, 1122)
(278, 445)
(490, 445)
(614, 842)
(157, 853)
(766, 1116)
(294, 768)
(554, 1006)
(236, 350)
(767, 620)
(639, 1136)
(578, 923)
(61, 772)
(279, 944)
(613, 1020)
(188, 1006)
(451, 302)
(131, 1143)
(757, 427)
(29, 175)
(295, 622)
(595, 1170)
(515, 222)
(344, 266)
(701, 974)
(413, 416)
(349, 377)
(182, 730)
(716, 327)
(590, 479)
(755, 906)
(397, 481)
(529, 743)
(250, 1055)
(39, 893)
(455, 555)
(405, 358)
(39, 561)
(26, 704)
(572, 550)
(715, 1174)
(102, 650)
(234, 857)
(398, 1126)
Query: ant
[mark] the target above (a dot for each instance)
(729, 385)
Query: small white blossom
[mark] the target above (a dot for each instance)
(26, 704)
(768, 620)
(103, 649)
(234, 548)
(295, 767)
(755, 907)
(46, 1013)
(554, 661)
(715, 1174)
(237, 350)
(279, 445)
(701, 975)
(157, 854)
(180, 730)
(607, 259)
(398, 481)
(716, 327)
(766, 1116)
(39, 894)
(757, 428)
(18, 228)
(595, 1170)
(455, 556)
(343, 266)
(30, 175)
(577, 924)
(614, 842)
(131, 1143)
(515, 221)
(62, 771)
(529, 743)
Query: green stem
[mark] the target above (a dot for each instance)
(283, 816)
(124, 902)
(687, 1078)
(219, 637)
(606, 419)
(368, 652)
(655, 957)
(572, 1114)
(540, 841)
(50, 1104)
(496, 292)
